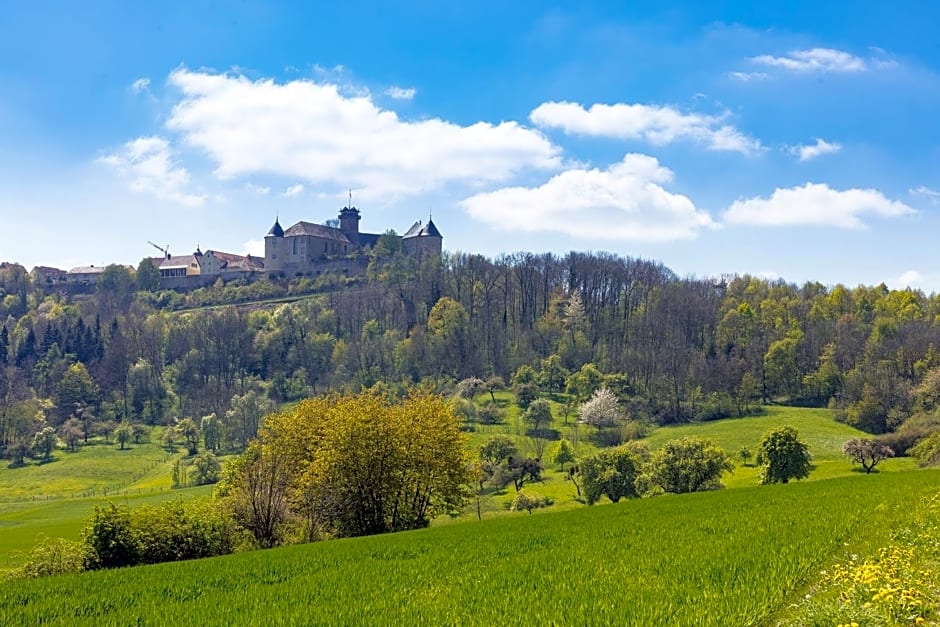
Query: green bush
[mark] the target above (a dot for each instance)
(51, 556)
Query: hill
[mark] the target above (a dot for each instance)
(731, 557)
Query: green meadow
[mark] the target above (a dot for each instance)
(47, 499)
(730, 557)
(56, 498)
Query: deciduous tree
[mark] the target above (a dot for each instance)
(782, 456)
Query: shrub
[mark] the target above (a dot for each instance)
(527, 501)
(684, 465)
(613, 472)
(927, 451)
(51, 556)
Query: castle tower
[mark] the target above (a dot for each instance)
(349, 223)
(274, 248)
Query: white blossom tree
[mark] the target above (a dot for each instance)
(601, 410)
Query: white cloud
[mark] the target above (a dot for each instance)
(311, 131)
(141, 84)
(815, 60)
(260, 190)
(814, 204)
(253, 247)
(400, 93)
(147, 163)
(294, 190)
(910, 278)
(656, 124)
(930, 194)
(748, 76)
(811, 151)
(626, 201)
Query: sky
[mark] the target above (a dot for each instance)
(794, 140)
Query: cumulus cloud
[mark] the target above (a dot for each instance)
(311, 131)
(294, 190)
(815, 204)
(147, 164)
(656, 124)
(815, 60)
(627, 201)
(811, 151)
(400, 93)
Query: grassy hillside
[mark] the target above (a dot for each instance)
(822, 434)
(96, 469)
(31, 497)
(816, 427)
(56, 498)
(21, 524)
(733, 557)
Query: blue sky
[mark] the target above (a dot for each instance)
(799, 140)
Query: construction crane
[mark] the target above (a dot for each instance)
(164, 249)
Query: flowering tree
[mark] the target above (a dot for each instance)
(601, 410)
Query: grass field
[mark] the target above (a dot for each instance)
(56, 498)
(732, 557)
(21, 524)
(94, 470)
(823, 435)
(44, 498)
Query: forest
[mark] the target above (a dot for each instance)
(672, 349)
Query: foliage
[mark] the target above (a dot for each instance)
(206, 469)
(612, 472)
(51, 556)
(867, 452)
(684, 465)
(490, 413)
(117, 536)
(782, 456)
(564, 453)
(469, 387)
(745, 454)
(897, 585)
(538, 414)
(44, 442)
(525, 394)
(361, 464)
(527, 501)
(254, 488)
(123, 434)
(110, 539)
(499, 449)
(187, 429)
(602, 410)
(927, 451)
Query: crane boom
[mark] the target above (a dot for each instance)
(163, 249)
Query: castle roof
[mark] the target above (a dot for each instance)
(427, 230)
(231, 261)
(317, 230)
(276, 230)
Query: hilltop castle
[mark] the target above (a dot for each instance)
(304, 247)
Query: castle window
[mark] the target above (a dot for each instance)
(295, 246)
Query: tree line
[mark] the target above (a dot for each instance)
(673, 348)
